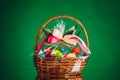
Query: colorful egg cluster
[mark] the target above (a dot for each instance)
(63, 53)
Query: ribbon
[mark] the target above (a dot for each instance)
(41, 44)
(76, 66)
(81, 44)
(71, 39)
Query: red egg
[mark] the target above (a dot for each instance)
(76, 50)
(65, 55)
(47, 50)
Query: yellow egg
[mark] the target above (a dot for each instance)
(58, 53)
(72, 55)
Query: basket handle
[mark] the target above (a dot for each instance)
(62, 16)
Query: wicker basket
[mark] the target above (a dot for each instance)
(51, 68)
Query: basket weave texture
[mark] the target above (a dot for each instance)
(51, 68)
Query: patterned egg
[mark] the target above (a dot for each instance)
(76, 50)
(58, 53)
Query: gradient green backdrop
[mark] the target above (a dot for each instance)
(20, 21)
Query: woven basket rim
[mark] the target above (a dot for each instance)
(80, 57)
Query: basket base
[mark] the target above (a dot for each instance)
(60, 78)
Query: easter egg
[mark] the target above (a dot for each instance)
(52, 54)
(65, 56)
(64, 51)
(58, 54)
(76, 50)
(56, 51)
(72, 55)
(47, 51)
(69, 55)
(42, 55)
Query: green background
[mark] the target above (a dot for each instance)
(21, 19)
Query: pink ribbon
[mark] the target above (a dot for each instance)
(49, 39)
(81, 43)
(41, 44)
(52, 39)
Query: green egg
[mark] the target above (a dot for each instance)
(58, 54)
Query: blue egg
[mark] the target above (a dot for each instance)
(64, 51)
(42, 55)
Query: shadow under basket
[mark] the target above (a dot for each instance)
(52, 68)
